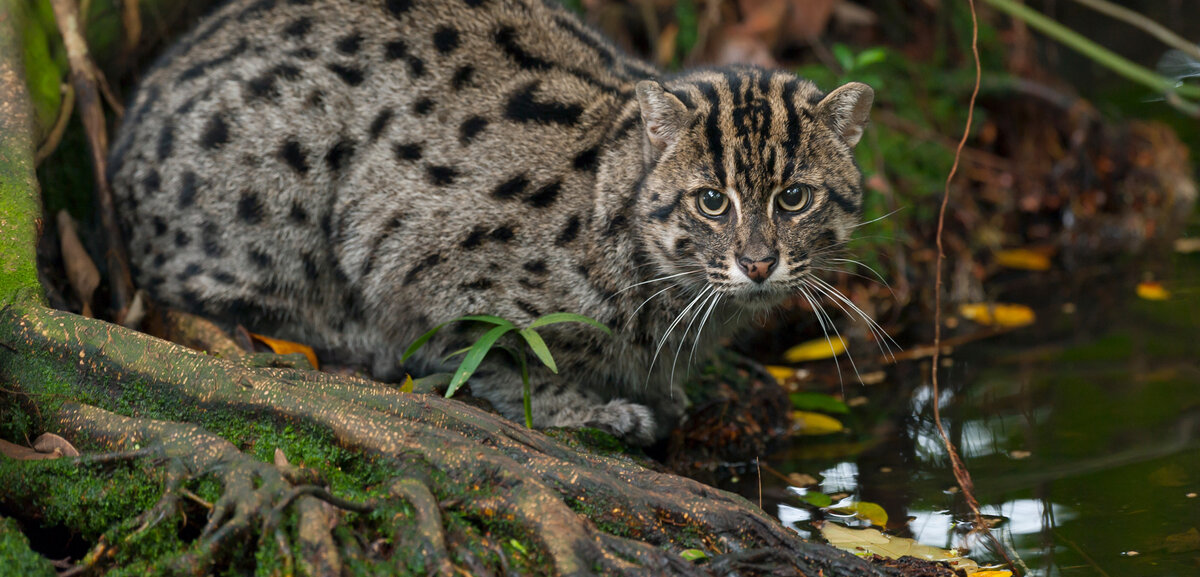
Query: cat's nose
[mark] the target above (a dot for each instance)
(757, 269)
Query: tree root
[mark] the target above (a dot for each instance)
(528, 499)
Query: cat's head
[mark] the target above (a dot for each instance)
(752, 178)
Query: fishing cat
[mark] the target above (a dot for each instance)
(350, 173)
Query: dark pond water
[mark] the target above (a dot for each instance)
(1082, 434)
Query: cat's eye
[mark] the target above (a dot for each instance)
(712, 203)
(795, 198)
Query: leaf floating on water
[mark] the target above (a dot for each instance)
(282, 347)
(809, 423)
(781, 374)
(693, 555)
(865, 510)
(814, 498)
(992, 573)
(1001, 315)
(1023, 259)
(1183, 542)
(1152, 291)
(815, 349)
(870, 541)
(809, 401)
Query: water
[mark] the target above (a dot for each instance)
(1082, 435)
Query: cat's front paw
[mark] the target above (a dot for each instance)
(630, 421)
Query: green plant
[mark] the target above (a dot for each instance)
(489, 339)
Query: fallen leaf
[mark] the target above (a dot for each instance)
(801, 480)
(1019, 454)
(407, 387)
(992, 573)
(814, 498)
(1182, 542)
(280, 458)
(282, 347)
(815, 349)
(865, 510)
(809, 423)
(49, 443)
(810, 401)
(1187, 245)
(1002, 315)
(781, 374)
(1152, 291)
(81, 271)
(1023, 259)
(693, 555)
(871, 541)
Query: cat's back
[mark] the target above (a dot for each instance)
(254, 144)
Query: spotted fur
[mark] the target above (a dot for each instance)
(349, 173)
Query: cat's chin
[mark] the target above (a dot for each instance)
(757, 299)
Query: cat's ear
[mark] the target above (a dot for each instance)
(662, 113)
(847, 110)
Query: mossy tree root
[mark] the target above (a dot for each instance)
(575, 512)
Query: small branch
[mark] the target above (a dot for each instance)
(50, 144)
(86, 78)
(1162, 33)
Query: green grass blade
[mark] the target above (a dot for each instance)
(455, 354)
(527, 396)
(490, 319)
(475, 356)
(420, 342)
(554, 318)
(539, 348)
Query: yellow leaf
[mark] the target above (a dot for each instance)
(866, 511)
(1152, 291)
(1003, 315)
(282, 347)
(808, 423)
(1022, 258)
(871, 541)
(407, 387)
(993, 573)
(815, 349)
(781, 374)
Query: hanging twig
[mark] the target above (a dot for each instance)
(85, 78)
(50, 143)
(960, 471)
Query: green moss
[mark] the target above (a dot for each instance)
(16, 558)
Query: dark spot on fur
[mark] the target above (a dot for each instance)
(265, 86)
(380, 123)
(502, 234)
(429, 262)
(223, 277)
(250, 208)
(303, 53)
(445, 39)
(298, 214)
(160, 226)
(535, 266)
(152, 182)
(681, 246)
(528, 308)
(416, 66)
(166, 139)
(587, 160)
(441, 175)
(187, 189)
(182, 239)
(546, 195)
(299, 27)
(423, 106)
(260, 259)
(616, 224)
(189, 271)
(294, 155)
(350, 75)
(462, 77)
(210, 238)
(531, 284)
(216, 132)
(479, 285)
(339, 153)
(506, 38)
(523, 106)
(398, 7)
(475, 238)
(395, 50)
(311, 270)
(569, 232)
(350, 44)
(407, 151)
(511, 187)
(471, 128)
